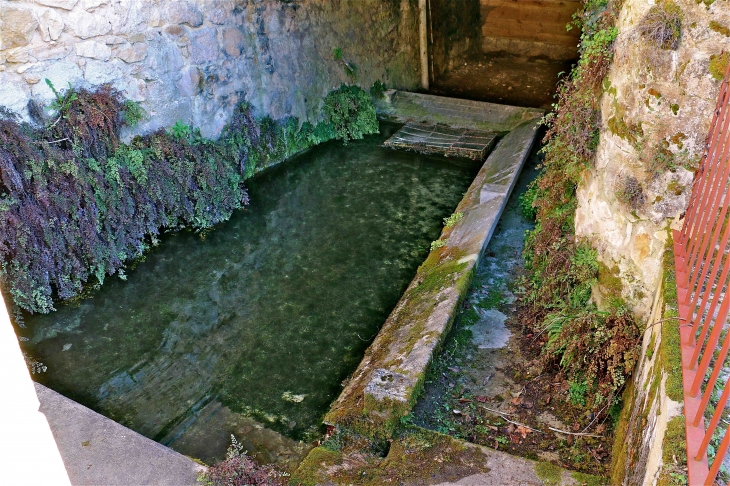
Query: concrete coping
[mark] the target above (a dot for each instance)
(405, 107)
(386, 384)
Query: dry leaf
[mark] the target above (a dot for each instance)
(523, 431)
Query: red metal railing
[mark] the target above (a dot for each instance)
(702, 258)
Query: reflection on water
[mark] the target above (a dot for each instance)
(264, 317)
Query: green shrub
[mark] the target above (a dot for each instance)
(598, 347)
(350, 113)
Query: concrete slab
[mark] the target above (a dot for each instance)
(404, 107)
(427, 138)
(98, 451)
(385, 385)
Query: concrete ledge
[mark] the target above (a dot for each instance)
(404, 107)
(96, 450)
(386, 384)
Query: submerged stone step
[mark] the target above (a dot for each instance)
(428, 138)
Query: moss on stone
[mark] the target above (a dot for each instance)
(719, 28)
(618, 126)
(311, 471)
(718, 65)
(674, 454)
(669, 349)
(621, 449)
(589, 479)
(650, 347)
(549, 473)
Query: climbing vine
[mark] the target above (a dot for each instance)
(596, 348)
(76, 203)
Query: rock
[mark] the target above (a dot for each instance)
(85, 25)
(24, 67)
(100, 72)
(18, 55)
(218, 16)
(44, 53)
(17, 26)
(234, 41)
(64, 4)
(92, 4)
(183, 13)
(173, 31)
(11, 95)
(204, 46)
(32, 78)
(191, 81)
(51, 25)
(94, 50)
(115, 40)
(132, 53)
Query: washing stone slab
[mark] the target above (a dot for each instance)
(385, 385)
(99, 451)
(404, 107)
(428, 138)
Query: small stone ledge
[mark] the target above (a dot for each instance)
(385, 386)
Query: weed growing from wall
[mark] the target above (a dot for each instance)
(662, 25)
(595, 348)
(76, 203)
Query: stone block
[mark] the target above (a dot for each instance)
(85, 25)
(51, 25)
(64, 4)
(233, 41)
(183, 13)
(17, 26)
(92, 4)
(18, 56)
(191, 81)
(204, 46)
(12, 96)
(132, 53)
(44, 53)
(93, 50)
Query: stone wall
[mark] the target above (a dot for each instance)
(194, 60)
(656, 110)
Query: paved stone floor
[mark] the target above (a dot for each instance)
(98, 451)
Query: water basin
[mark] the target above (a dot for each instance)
(252, 328)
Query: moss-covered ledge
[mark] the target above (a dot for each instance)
(386, 384)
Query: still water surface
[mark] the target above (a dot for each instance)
(264, 317)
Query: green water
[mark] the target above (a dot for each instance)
(270, 311)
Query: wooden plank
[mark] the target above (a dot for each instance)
(510, 12)
(524, 3)
(563, 40)
(532, 25)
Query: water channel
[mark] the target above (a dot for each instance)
(251, 329)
